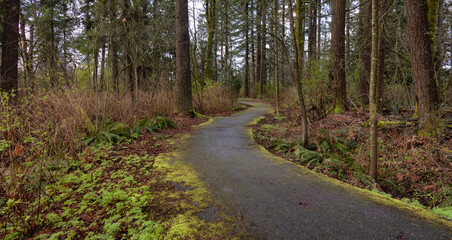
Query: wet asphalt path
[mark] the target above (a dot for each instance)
(275, 199)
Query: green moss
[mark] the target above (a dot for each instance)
(431, 126)
(416, 112)
(443, 211)
(382, 124)
(182, 227)
(256, 121)
(193, 200)
(432, 19)
(336, 109)
(374, 196)
(339, 109)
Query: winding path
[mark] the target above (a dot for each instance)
(276, 199)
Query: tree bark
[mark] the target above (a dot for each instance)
(365, 54)
(10, 51)
(210, 16)
(183, 77)
(24, 52)
(102, 68)
(253, 58)
(312, 32)
(372, 94)
(247, 52)
(347, 35)
(381, 57)
(129, 64)
(113, 48)
(53, 49)
(96, 66)
(283, 44)
(338, 54)
(300, 36)
(439, 42)
(275, 39)
(259, 45)
(296, 79)
(319, 28)
(421, 56)
(263, 68)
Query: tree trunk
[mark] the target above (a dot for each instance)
(129, 64)
(24, 52)
(259, 45)
(247, 52)
(10, 51)
(337, 52)
(263, 67)
(347, 35)
(421, 56)
(113, 49)
(283, 44)
(226, 44)
(102, 68)
(53, 53)
(372, 94)
(296, 79)
(432, 15)
(210, 16)
(312, 31)
(253, 58)
(439, 43)
(275, 39)
(96, 66)
(183, 77)
(365, 54)
(381, 58)
(319, 28)
(300, 36)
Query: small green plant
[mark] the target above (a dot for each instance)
(114, 132)
(443, 211)
(307, 157)
(445, 195)
(281, 145)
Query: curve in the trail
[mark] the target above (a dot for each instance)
(280, 200)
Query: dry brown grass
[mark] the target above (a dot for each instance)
(39, 132)
(213, 99)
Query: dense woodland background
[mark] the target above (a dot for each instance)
(82, 72)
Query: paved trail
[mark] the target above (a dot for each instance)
(278, 200)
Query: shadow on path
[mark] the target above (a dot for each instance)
(280, 200)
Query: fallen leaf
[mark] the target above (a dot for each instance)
(400, 176)
(18, 150)
(414, 177)
(429, 188)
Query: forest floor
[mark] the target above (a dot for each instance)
(414, 169)
(131, 191)
(276, 199)
(119, 192)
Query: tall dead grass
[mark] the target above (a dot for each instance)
(39, 132)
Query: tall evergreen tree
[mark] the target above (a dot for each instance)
(183, 75)
(366, 49)
(338, 54)
(373, 115)
(297, 78)
(421, 56)
(10, 51)
(247, 51)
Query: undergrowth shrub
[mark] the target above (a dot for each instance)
(40, 132)
(213, 98)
